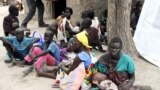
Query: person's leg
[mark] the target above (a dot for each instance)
(35, 52)
(9, 50)
(18, 55)
(40, 7)
(49, 59)
(32, 9)
(9, 53)
(28, 60)
(44, 74)
(28, 71)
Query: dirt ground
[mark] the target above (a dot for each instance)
(11, 78)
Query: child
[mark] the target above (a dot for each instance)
(99, 80)
(92, 35)
(18, 46)
(65, 28)
(11, 22)
(46, 53)
(53, 28)
(80, 44)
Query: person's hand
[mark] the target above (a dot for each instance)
(28, 33)
(95, 82)
(63, 51)
(14, 48)
(30, 55)
(60, 65)
(34, 58)
(102, 51)
(29, 46)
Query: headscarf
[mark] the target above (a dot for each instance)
(82, 37)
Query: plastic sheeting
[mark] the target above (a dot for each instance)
(147, 35)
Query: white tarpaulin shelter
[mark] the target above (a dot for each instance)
(147, 35)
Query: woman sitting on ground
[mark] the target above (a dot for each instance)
(117, 66)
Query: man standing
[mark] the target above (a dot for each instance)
(32, 4)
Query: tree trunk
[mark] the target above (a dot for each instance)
(119, 24)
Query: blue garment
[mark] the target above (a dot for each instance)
(21, 47)
(85, 57)
(125, 64)
(54, 49)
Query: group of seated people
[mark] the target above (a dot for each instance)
(114, 70)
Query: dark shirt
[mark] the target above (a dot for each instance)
(135, 13)
(7, 23)
(93, 37)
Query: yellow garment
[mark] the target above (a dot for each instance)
(83, 39)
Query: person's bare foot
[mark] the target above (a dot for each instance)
(12, 64)
(8, 60)
(38, 72)
(28, 71)
(21, 64)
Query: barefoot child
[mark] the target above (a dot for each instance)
(100, 81)
(18, 46)
(46, 54)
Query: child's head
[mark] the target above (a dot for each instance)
(53, 29)
(90, 13)
(139, 4)
(68, 12)
(48, 36)
(86, 23)
(99, 77)
(84, 14)
(13, 10)
(19, 34)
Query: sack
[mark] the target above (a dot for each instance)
(74, 80)
(38, 35)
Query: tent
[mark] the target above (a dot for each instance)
(147, 34)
